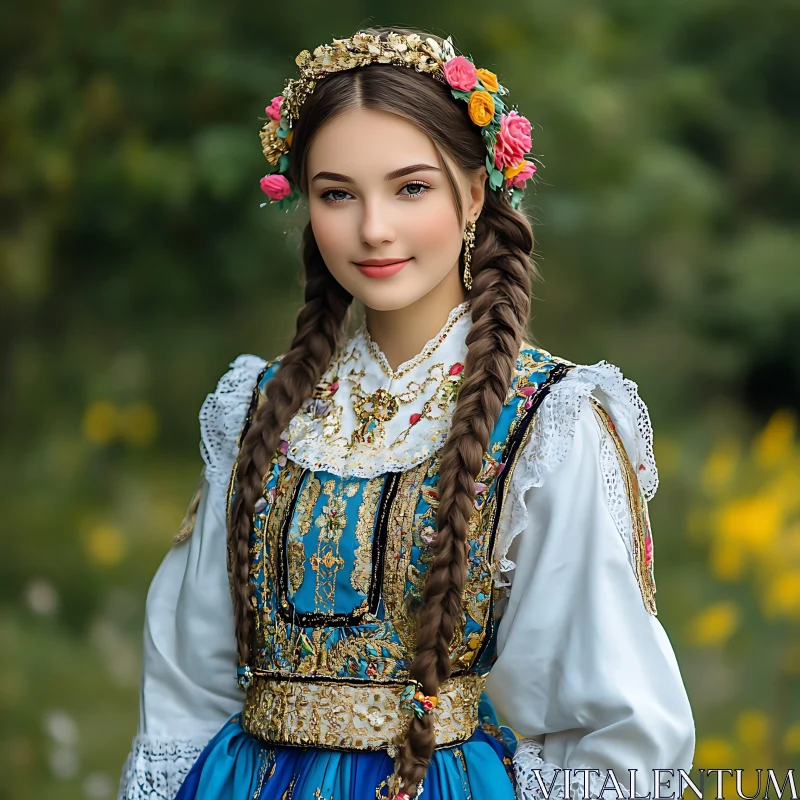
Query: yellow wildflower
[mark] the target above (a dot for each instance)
(715, 625)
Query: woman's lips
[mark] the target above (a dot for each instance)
(383, 270)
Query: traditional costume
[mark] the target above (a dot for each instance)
(559, 635)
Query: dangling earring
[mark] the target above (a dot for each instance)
(469, 244)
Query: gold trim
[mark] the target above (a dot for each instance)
(354, 715)
(433, 344)
(638, 510)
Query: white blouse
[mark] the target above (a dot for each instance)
(585, 673)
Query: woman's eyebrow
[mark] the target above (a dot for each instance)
(390, 176)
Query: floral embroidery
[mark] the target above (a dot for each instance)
(301, 524)
(360, 576)
(338, 564)
(365, 419)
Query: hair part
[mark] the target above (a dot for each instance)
(500, 304)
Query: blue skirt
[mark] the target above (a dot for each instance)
(236, 766)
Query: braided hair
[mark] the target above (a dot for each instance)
(500, 303)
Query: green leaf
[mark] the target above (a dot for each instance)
(496, 179)
(284, 124)
(283, 133)
(283, 163)
(460, 94)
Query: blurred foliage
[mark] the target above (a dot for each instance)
(136, 264)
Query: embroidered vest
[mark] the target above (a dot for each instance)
(337, 570)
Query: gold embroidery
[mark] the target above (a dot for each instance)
(372, 412)
(360, 577)
(398, 554)
(378, 355)
(353, 716)
(300, 526)
(381, 431)
(330, 524)
(638, 511)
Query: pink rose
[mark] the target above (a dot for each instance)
(276, 187)
(513, 140)
(274, 108)
(648, 550)
(456, 369)
(519, 179)
(415, 418)
(460, 73)
(427, 705)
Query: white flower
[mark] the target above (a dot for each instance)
(434, 47)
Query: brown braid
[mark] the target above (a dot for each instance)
(500, 300)
(500, 297)
(319, 326)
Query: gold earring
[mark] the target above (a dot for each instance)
(469, 244)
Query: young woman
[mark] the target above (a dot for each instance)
(426, 519)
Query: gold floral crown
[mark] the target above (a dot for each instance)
(505, 132)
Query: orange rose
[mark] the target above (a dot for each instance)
(489, 80)
(510, 172)
(481, 108)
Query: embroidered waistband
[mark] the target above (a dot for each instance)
(353, 715)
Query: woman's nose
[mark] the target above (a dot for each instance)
(376, 224)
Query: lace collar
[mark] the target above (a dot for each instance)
(366, 419)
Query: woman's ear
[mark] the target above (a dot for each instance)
(477, 195)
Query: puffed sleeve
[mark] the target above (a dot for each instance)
(188, 686)
(585, 671)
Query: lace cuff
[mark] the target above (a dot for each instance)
(528, 763)
(222, 416)
(551, 440)
(156, 768)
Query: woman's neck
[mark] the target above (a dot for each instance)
(402, 333)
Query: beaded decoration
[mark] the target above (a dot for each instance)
(506, 133)
(412, 699)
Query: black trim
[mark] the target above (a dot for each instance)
(311, 619)
(512, 446)
(248, 421)
(286, 609)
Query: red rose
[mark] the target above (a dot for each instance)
(415, 418)
(456, 369)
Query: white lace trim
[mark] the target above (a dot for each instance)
(324, 435)
(155, 768)
(551, 441)
(616, 497)
(222, 417)
(527, 758)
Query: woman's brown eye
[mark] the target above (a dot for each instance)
(422, 187)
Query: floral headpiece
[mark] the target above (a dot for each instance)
(506, 133)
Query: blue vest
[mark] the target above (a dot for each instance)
(337, 571)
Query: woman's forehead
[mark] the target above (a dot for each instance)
(370, 142)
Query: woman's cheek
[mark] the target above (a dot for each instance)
(331, 233)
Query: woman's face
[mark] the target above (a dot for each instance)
(377, 191)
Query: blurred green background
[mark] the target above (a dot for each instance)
(136, 264)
